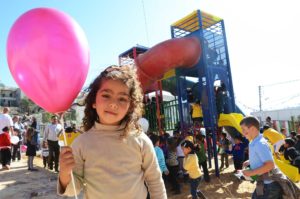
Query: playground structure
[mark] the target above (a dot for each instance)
(196, 57)
(198, 35)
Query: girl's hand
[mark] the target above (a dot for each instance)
(66, 160)
(67, 163)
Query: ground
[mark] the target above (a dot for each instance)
(19, 183)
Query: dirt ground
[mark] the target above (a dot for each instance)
(19, 183)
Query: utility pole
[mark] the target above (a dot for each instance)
(260, 106)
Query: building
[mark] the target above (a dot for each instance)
(280, 114)
(10, 97)
(288, 118)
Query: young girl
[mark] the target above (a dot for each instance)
(45, 153)
(190, 164)
(31, 142)
(113, 158)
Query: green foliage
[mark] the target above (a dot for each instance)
(70, 115)
(46, 117)
(24, 105)
(28, 106)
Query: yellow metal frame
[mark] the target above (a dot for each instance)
(191, 22)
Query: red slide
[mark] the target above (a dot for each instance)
(167, 55)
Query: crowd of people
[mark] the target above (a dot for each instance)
(15, 132)
(180, 158)
(21, 134)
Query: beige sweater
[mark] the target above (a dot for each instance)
(108, 167)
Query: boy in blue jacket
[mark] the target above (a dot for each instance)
(238, 152)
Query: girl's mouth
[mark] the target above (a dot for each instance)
(109, 112)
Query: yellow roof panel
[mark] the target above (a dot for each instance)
(191, 22)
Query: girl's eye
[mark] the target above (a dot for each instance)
(105, 96)
(123, 99)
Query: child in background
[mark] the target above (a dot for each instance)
(163, 143)
(31, 143)
(190, 164)
(201, 154)
(113, 158)
(5, 149)
(159, 154)
(179, 152)
(173, 165)
(45, 153)
(291, 154)
(223, 147)
(16, 148)
(238, 152)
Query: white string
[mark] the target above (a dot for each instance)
(72, 177)
(145, 21)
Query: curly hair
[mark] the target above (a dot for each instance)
(127, 75)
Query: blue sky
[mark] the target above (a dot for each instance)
(263, 37)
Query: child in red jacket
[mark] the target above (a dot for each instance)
(5, 148)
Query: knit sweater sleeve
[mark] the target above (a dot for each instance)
(77, 172)
(151, 169)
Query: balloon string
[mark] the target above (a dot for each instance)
(72, 177)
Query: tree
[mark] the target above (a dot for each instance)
(46, 117)
(25, 105)
(28, 106)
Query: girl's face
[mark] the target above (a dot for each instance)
(112, 102)
(185, 150)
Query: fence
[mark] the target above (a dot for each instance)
(169, 115)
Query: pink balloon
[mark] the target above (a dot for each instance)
(48, 56)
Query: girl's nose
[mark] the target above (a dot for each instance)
(113, 106)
